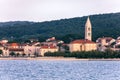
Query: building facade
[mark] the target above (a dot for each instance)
(88, 30)
(45, 49)
(82, 45)
(86, 44)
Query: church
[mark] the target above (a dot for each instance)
(84, 44)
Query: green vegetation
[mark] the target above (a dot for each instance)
(1, 52)
(18, 54)
(64, 29)
(23, 54)
(12, 54)
(89, 54)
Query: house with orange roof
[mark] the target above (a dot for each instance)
(16, 48)
(48, 48)
(82, 45)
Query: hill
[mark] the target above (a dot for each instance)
(65, 29)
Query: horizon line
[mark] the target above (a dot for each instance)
(57, 19)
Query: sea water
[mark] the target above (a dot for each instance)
(59, 70)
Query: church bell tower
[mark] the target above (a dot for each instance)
(88, 30)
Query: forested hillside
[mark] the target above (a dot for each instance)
(65, 29)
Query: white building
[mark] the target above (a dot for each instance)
(31, 50)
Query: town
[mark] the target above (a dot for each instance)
(36, 48)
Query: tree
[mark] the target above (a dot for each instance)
(66, 47)
(67, 29)
(23, 54)
(12, 54)
(17, 54)
(1, 52)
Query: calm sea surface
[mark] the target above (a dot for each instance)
(59, 70)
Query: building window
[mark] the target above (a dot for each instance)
(88, 29)
(89, 34)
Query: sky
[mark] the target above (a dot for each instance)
(47, 10)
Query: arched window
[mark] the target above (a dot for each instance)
(88, 29)
(89, 34)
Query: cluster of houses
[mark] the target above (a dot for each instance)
(29, 49)
(108, 43)
(52, 45)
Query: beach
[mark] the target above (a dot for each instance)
(59, 58)
(40, 58)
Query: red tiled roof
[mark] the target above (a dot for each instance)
(48, 47)
(82, 41)
(14, 44)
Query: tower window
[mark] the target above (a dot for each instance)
(88, 29)
(89, 34)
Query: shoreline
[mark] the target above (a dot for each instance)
(60, 58)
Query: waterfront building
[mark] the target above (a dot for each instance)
(32, 50)
(15, 48)
(49, 48)
(105, 43)
(84, 44)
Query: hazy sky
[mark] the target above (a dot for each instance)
(45, 10)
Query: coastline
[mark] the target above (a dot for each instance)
(60, 58)
(42, 58)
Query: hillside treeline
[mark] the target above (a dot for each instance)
(65, 29)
